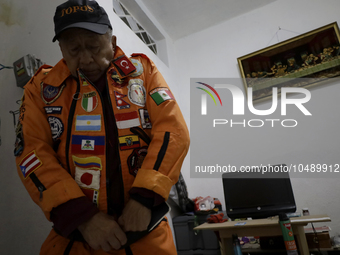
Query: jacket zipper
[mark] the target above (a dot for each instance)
(120, 168)
(106, 141)
(109, 208)
(38, 184)
(162, 151)
(69, 124)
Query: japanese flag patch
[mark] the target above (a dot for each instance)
(89, 179)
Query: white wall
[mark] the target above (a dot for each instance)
(24, 30)
(213, 53)
(26, 27)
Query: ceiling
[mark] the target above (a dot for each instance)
(180, 18)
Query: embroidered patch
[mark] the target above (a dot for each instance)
(82, 144)
(139, 67)
(117, 81)
(89, 179)
(160, 95)
(50, 94)
(29, 164)
(93, 195)
(88, 122)
(124, 65)
(120, 102)
(127, 120)
(83, 80)
(93, 163)
(129, 142)
(57, 127)
(53, 109)
(137, 94)
(145, 118)
(19, 141)
(22, 111)
(135, 160)
(89, 101)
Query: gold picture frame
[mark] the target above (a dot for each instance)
(314, 55)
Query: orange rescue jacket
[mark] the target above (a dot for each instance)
(62, 134)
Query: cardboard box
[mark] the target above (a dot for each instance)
(320, 240)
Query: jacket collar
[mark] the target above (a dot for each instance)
(58, 74)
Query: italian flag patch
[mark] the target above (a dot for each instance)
(160, 95)
(89, 101)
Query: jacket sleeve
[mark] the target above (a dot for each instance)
(47, 182)
(169, 136)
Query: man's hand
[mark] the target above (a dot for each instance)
(103, 232)
(135, 217)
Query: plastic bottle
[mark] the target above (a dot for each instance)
(237, 246)
(287, 233)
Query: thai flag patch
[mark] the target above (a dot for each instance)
(29, 164)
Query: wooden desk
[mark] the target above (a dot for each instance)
(262, 227)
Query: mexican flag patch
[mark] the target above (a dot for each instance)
(160, 95)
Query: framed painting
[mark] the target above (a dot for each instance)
(303, 61)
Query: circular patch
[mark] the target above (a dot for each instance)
(57, 127)
(137, 93)
(136, 158)
(139, 68)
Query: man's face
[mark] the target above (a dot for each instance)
(88, 51)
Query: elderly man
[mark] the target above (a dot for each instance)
(100, 142)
